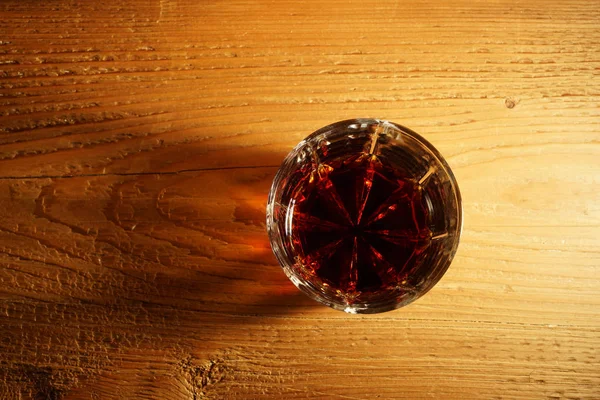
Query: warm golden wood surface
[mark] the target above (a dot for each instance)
(138, 140)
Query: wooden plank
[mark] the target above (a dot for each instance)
(138, 142)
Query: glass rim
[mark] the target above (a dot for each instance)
(310, 288)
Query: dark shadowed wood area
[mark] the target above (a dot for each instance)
(138, 142)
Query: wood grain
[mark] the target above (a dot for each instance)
(138, 141)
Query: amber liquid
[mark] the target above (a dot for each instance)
(358, 225)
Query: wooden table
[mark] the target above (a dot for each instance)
(138, 141)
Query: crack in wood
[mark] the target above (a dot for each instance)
(141, 173)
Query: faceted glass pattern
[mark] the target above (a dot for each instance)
(364, 216)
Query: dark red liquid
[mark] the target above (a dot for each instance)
(358, 225)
